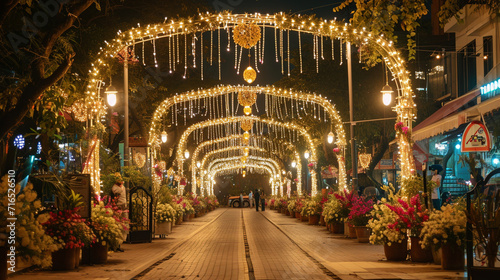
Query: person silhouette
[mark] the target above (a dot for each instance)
(257, 199)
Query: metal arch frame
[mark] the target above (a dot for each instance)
(220, 90)
(266, 161)
(405, 107)
(229, 168)
(238, 136)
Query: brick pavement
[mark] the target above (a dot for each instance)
(351, 260)
(279, 247)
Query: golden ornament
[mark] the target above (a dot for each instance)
(163, 165)
(246, 35)
(249, 75)
(364, 160)
(247, 98)
(246, 135)
(246, 124)
(139, 159)
(247, 110)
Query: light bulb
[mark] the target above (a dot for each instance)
(186, 154)
(247, 110)
(306, 154)
(331, 137)
(387, 94)
(198, 164)
(164, 136)
(294, 164)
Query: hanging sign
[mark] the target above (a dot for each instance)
(476, 138)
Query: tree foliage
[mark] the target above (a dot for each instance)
(389, 17)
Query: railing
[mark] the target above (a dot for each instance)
(470, 248)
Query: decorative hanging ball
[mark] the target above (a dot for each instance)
(249, 75)
(139, 159)
(244, 173)
(246, 124)
(247, 98)
(246, 150)
(364, 160)
(247, 110)
(246, 35)
(246, 135)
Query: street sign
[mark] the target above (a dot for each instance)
(476, 138)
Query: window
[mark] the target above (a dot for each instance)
(466, 66)
(487, 54)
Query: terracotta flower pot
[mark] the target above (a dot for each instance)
(191, 216)
(287, 213)
(99, 253)
(304, 218)
(297, 215)
(63, 259)
(313, 219)
(363, 233)
(338, 228)
(163, 228)
(397, 251)
(351, 232)
(283, 210)
(417, 253)
(178, 221)
(452, 256)
(436, 255)
(322, 220)
(185, 217)
(78, 252)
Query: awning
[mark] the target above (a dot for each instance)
(434, 125)
(455, 133)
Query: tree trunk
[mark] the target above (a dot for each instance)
(379, 154)
(10, 119)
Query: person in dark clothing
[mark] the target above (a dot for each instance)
(257, 199)
(263, 201)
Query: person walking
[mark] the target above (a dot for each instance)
(257, 197)
(241, 200)
(263, 201)
(120, 194)
(435, 196)
(250, 199)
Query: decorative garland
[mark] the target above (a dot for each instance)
(247, 98)
(246, 124)
(140, 159)
(246, 35)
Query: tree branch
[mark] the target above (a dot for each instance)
(31, 93)
(5, 9)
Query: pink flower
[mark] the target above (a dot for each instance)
(404, 130)
(398, 125)
(336, 150)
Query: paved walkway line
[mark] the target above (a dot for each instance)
(174, 247)
(251, 275)
(315, 261)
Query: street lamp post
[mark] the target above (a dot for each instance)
(354, 161)
(125, 129)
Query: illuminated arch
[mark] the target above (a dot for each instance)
(190, 96)
(194, 158)
(256, 166)
(280, 22)
(270, 163)
(291, 126)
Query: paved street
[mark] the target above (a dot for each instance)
(245, 244)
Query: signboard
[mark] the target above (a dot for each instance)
(476, 138)
(80, 184)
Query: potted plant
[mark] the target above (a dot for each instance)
(108, 229)
(70, 232)
(312, 209)
(33, 246)
(445, 229)
(345, 198)
(388, 229)
(359, 216)
(291, 208)
(413, 214)
(335, 215)
(179, 211)
(164, 216)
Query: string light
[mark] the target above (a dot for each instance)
(405, 107)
